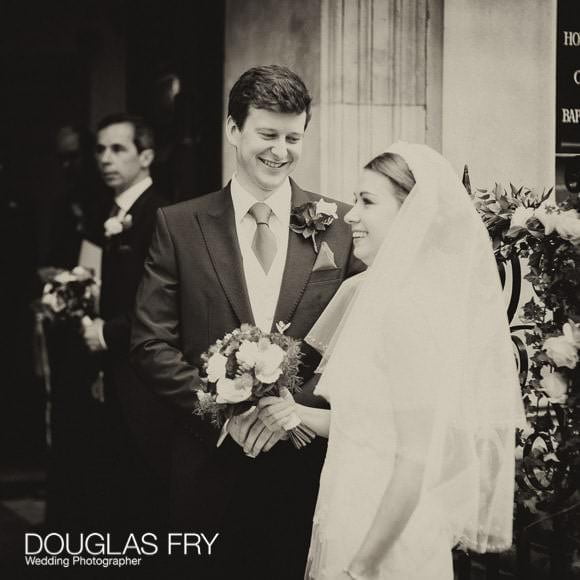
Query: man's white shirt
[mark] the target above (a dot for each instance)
(127, 198)
(263, 288)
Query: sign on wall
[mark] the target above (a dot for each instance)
(568, 99)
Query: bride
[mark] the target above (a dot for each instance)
(420, 375)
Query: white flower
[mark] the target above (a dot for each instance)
(326, 208)
(247, 353)
(562, 351)
(81, 273)
(234, 390)
(64, 278)
(52, 301)
(568, 224)
(554, 385)
(216, 367)
(270, 357)
(548, 220)
(113, 227)
(572, 333)
(527, 431)
(520, 218)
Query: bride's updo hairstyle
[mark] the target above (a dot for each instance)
(394, 168)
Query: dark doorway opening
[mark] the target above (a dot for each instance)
(175, 55)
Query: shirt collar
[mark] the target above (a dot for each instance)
(278, 201)
(128, 197)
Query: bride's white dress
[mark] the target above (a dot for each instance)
(358, 466)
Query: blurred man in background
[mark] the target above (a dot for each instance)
(132, 470)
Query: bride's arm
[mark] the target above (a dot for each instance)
(275, 412)
(398, 503)
(317, 419)
(414, 426)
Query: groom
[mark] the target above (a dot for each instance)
(218, 261)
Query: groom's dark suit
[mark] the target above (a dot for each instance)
(193, 292)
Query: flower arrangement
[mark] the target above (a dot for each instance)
(246, 365)
(525, 224)
(312, 217)
(70, 294)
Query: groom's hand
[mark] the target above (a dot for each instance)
(252, 434)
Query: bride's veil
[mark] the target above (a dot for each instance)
(428, 333)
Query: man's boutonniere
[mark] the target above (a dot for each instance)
(116, 225)
(312, 217)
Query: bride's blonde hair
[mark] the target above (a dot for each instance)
(394, 168)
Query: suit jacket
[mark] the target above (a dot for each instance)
(135, 427)
(121, 270)
(193, 292)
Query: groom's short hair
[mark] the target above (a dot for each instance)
(271, 87)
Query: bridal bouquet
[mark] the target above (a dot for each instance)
(244, 366)
(70, 294)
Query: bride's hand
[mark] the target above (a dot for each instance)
(276, 412)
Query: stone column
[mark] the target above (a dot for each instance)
(374, 73)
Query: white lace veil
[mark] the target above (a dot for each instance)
(428, 332)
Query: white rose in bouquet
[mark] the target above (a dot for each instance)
(216, 367)
(81, 273)
(270, 357)
(65, 277)
(247, 354)
(51, 300)
(234, 390)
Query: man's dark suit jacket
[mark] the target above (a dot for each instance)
(193, 292)
(133, 416)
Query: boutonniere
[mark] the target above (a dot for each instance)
(312, 217)
(116, 225)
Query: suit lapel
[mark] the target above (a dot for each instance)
(218, 227)
(299, 262)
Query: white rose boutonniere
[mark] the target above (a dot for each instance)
(326, 208)
(116, 225)
(312, 217)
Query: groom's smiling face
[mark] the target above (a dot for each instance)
(268, 147)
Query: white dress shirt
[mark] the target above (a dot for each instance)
(128, 197)
(263, 288)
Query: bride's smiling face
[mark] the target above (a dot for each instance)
(376, 204)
